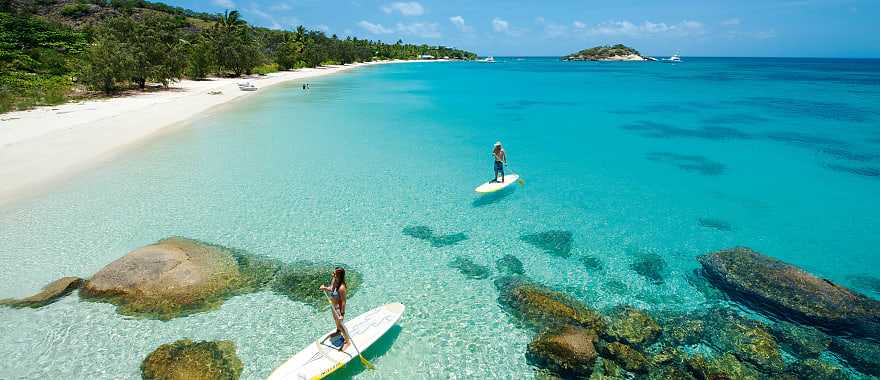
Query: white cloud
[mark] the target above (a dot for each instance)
(731, 22)
(278, 6)
(459, 23)
(579, 25)
(323, 28)
(224, 3)
(647, 28)
(500, 25)
(374, 28)
(410, 8)
(540, 19)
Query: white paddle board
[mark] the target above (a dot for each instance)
(321, 358)
(492, 186)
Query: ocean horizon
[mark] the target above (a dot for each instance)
(632, 170)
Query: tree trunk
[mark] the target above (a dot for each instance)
(142, 83)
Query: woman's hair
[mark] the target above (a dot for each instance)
(339, 280)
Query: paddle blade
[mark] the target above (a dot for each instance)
(366, 363)
(521, 182)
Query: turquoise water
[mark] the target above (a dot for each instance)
(627, 156)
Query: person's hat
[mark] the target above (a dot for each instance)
(498, 143)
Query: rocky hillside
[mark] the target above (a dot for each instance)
(617, 52)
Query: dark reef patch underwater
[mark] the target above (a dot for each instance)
(556, 242)
(688, 162)
(437, 241)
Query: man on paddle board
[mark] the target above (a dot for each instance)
(500, 160)
(337, 292)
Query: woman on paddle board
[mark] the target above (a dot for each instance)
(500, 160)
(337, 292)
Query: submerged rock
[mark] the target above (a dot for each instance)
(696, 279)
(437, 241)
(605, 369)
(717, 224)
(863, 355)
(866, 282)
(509, 264)
(631, 326)
(49, 294)
(300, 282)
(566, 351)
(627, 357)
(651, 266)
(802, 341)
(682, 329)
(556, 242)
(725, 366)
(812, 369)
(538, 306)
(783, 290)
(748, 340)
(185, 359)
(470, 269)
(591, 262)
(173, 277)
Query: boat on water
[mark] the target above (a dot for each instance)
(674, 58)
(487, 60)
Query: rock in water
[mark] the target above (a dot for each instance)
(802, 341)
(171, 278)
(627, 357)
(509, 264)
(725, 366)
(300, 282)
(860, 354)
(566, 351)
(470, 269)
(188, 360)
(631, 326)
(49, 294)
(812, 369)
(651, 266)
(749, 340)
(557, 243)
(785, 291)
(540, 307)
(682, 329)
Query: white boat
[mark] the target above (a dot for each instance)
(487, 60)
(247, 86)
(674, 58)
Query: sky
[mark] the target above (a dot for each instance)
(752, 28)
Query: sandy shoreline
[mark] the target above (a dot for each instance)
(51, 143)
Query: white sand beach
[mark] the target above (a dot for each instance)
(51, 143)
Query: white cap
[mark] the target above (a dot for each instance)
(498, 143)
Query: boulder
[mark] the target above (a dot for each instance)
(556, 242)
(566, 351)
(812, 369)
(437, 241)
(173, 277)
(631, 326)
(860, 354)
(470, 269)
(749, 340)
(723, 367)
(605, 369)
(509, 264)
(539, 307)
(185, 359)
(682, 329)
(49, 294)
(802, 341)
(785, 291)
(670, 373)
(627, 357)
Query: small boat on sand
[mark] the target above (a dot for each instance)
(247, 86)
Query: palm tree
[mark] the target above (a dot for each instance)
(230, 21)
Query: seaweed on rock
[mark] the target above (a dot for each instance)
(185, 359)
(566, 351)
(539, 307)
(509, 264)
(631, 326)
(470, 269)
(300, 282)
(555, 242)
(50, 293)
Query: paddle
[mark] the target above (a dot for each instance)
(347, 337)
(521, 182)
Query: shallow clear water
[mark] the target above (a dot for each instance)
(626, 156)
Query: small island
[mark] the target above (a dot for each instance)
(617, 52)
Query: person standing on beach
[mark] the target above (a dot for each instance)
(500, 160)
(337, 292)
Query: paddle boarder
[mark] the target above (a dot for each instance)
(500, 160)
(337, 292)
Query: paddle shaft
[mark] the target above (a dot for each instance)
(345, 331)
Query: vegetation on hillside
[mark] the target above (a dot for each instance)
(602, 52)
(52, 50)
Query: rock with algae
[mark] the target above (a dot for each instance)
(556, 242)
(813, 369)
(188, 360)
(860, 354)
(651, 266)
(749, 340)
(631, 326)
(802, 341)
(723, 367)
(626, 356)
(300, 282)
(785, 291)
(49, 294)
(509, 264)
(538, 306)
(680, 329)
(566, 351)
(470, 269)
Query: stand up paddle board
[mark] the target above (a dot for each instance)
(492, 186)
(322, 357)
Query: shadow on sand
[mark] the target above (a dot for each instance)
(491, 198)
(375, 351)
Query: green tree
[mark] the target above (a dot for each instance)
(107, 62)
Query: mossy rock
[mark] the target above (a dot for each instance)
(188, 360)
(300, 282)
(670, 373)
(49, 294)
(566, 351)
(174, 277)
(862, 355)
(538, 306)
(470, 269)
(605, 369)
(556, 242)
(631, 326)
(804, 342)
(510, 265)
(749, 340)
(725, 366)
(669, 356)
(626, 356)
(682, 329)
(813, 369)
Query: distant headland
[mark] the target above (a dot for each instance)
(617, 52)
